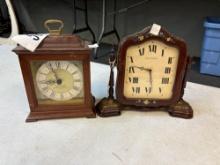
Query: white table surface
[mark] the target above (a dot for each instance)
(134, 138)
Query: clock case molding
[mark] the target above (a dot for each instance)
(57, 47)
(176, 106)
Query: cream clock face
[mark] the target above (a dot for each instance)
(59, 80)
(150, 70)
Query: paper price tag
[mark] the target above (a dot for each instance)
(93, 46)
(29, 41)
(155, 29)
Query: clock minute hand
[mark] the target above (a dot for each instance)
(53, 71)
(58, 80)
(143, 68)
(148, 70)
(150, 75)
(55, 74)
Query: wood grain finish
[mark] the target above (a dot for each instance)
(68, 48)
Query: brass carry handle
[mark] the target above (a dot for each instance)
(54, 31)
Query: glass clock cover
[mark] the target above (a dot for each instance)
(58, 82)
(150, 70)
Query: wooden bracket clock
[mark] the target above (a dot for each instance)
(151, 75)
(57, 77)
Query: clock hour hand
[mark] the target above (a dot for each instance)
(49, 82)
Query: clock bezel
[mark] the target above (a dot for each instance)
(38, 89)
(140, 38)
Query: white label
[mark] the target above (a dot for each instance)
(155, 29)
(93, 46)
(29, 41)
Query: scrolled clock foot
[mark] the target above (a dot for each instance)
(181, 109)
(108, 107)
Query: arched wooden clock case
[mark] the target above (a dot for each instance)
(175, 105)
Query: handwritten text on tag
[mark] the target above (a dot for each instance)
(29, 41)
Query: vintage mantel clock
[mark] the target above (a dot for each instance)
(151, 75)
(57, 77)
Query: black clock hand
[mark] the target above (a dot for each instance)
(49, 82)
(143, 68)
(52, 70)
(55, 74)
(150, 75)
(148, 70)
(58, 80)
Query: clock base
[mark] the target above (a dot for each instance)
(35, 116)
(88, 112)
(108, 107)
(181, 109)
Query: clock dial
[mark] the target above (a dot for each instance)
(59, 80)
(150, 70)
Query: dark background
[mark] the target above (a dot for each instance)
(183, 18)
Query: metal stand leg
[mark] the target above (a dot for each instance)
(114, 31)
(102, 28)
(14, 25)
(114, 13)
(104, 34)
(87, 27)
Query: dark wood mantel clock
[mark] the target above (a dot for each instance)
(151, 75)
(57, 77)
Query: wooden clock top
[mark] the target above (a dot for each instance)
(144, 35)
(58, 43)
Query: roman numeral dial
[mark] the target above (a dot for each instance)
(150, 70)
(59, 80)
(141, 51)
